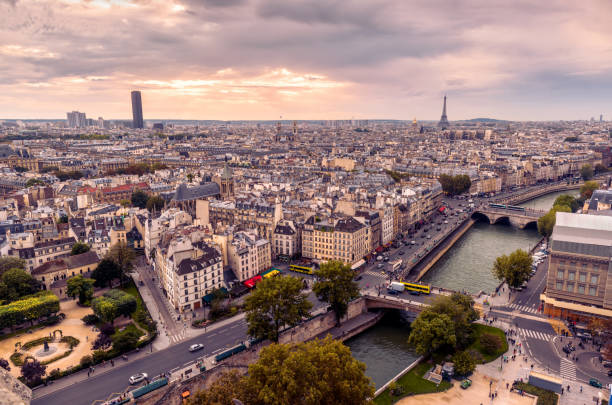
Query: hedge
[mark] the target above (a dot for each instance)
(30, 308)
(35, 342)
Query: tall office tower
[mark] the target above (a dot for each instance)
(443, 119)
(76, 119)
(100, 122)
(278, 132)
(600, 117)
(137, 110)
(294, 131)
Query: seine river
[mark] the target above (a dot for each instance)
(466, 266)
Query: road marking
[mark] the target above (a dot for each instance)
(218, 350)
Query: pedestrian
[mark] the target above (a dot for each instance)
(568, 388)
(581, 388)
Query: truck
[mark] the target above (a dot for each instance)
(395, 286)
(395, 265)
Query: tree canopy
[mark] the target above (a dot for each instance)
(123, 256)
(455, 185)
(514, 269)
(16, 283)
(546, 222)
(81, 287)
(586, 190)
(599, 168)
(34, 182)
(32, 371)
(275, 303)
(113, 304)
(79, 248)
(568, 201)
(586, 171)
(11, 262)
(104, 274)
(139, 199)
(335, 285)
(155, 203)
(318, 372)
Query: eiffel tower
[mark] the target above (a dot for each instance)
(443, 119)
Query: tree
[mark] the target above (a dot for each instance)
(17, 283)
(139, 199)
(568, 201)
(586, 171)
(125, 341)
(586, 190)
(432, 331)
(11, 262)
(316, 372)
(490, 343)
(81, 287)
(460, 309)
(190, 177)
(5, 364)
(513, 269)
(123, 256)
(546, 223)
(597, 326)
(454, 185)
(599, 168)
(464, 363)
(228, 386)
(33, 371)
(79, 248)
(34, 182)
(125, 203)
(63, 219)
(155, 203)
(105, 273)
(125, 303)
(336, 286)
(276, 302)
(104, 309)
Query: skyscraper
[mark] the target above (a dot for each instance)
(137, 110)
(443, 119)
(76, 119)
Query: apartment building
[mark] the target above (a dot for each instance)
(344, 239)
(248, 254)
(579, 284)
(43, 252)
(285, 241)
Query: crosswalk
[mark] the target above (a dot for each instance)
(523, 308)
(177, 337)
(568, 370)
(528, 333)
(374, 273)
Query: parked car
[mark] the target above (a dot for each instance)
(465, 384)
(196, 347)
(401, 252)
(595, 383)
(136, 378)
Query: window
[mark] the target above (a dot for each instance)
(592, 290)
(560, 273)
(583, 277)
(185, 284)
(570, 287)
(594, 278)
(185, 277)
(186, 292)
(571, 275)
(580, 289)
(559, 285)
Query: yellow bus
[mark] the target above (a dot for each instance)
(301, 269)
(271, 273)
(421, 288)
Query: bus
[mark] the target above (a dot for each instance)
(301, 269)
(273, 272)
(421, 288)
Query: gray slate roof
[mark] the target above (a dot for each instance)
(184, 193)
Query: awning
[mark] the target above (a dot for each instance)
(442, 209)
(252, 281)
(358, 264)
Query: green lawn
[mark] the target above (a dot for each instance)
(413, 384)
(479, 329)
(545, 397)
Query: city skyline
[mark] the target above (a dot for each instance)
(245, 60)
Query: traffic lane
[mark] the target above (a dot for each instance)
(542, 350)
(102, 385)
(588, 364)
(530, 296)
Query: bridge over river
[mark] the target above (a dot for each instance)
(516, 217)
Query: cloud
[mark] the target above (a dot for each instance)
(376, 58)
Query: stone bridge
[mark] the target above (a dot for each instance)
(517, 218)
(393, 302)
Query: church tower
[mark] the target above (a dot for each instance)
(227, 182)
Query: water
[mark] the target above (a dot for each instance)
(467, 265)
(545, 202)
(384, 348)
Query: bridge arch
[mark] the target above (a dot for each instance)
(504, 219)
(479, 216)
(531, 225)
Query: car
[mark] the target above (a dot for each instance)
(386, 258)
(609, 373)
(465, 384)
(401, 252)
(196, 347)
(595, 383)
(380, 265)
(428, 236)
(446, 222)
(392, 292)
(608, 364)
(136, 378)
(359, 277)
(412, 242)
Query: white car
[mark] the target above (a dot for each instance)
(136, 378)
(196, 347)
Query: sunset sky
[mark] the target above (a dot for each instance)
(332, 59)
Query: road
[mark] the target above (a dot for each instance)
(115, 380)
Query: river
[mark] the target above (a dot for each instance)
(466, 266)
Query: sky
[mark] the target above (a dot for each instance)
(307, 59)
